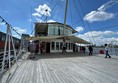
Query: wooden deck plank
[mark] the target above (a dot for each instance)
(69, 68)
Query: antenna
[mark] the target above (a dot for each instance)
(46, 14)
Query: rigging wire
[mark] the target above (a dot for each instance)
(71, 15)
(109, 4)
(56, 5)
(107, 27)
(3, 20)
(62, 6)
(101, 9)
(41, 18)
(87, 21)
(81, 20)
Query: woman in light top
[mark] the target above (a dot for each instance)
(106, 50)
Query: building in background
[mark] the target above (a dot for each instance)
(3, 38)
(50, 36)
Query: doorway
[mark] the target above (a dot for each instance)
(47, 47)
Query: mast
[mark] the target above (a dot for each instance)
(65, 20)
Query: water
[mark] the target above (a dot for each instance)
(112, 51)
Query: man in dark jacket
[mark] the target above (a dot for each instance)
(90, 50)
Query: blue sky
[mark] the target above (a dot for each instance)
(88, 17)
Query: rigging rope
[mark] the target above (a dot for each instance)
(101, 8)
(81, 20)
(108, 27)
(87, 22)
(71, 15)
(3, 20)
(57, 4)
(44, 15)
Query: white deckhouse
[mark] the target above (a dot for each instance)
(53, 35)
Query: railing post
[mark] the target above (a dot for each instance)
(9, 47)
(13, 47)
(6, 41)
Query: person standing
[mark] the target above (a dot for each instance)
(83, 49)
(37, 47)
(41, 47)
(32, 48)
(90, 50)
(106, 50)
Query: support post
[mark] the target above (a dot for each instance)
(9, 47)
(6, 41)
(13, 48)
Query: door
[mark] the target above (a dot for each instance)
(48, 47)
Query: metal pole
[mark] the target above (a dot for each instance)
(3, 62)
(9, 48)
(13, 48)
(65, 16)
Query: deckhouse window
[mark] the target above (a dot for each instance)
(53, 45)
(57, 45)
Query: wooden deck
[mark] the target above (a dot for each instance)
(64, 68)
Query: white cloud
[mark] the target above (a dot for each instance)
(20, 30)
(100, 37)
(42, 10)
(51, 21)
(101, 14)
(79, 28)
(100, 33)
(36, 14)
(2, 24)
(107, 5)
(16, 35)
(30, 20)
(39, 20)
(98, 16)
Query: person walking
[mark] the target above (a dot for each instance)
(90, 50)
(106, 50)
(64, 49)
(83, 49)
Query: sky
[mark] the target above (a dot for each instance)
(95, 20)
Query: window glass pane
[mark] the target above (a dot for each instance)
(56, 31)
(66, 45)
(57, 45)
(51, 29)
(61, 30)
(61, 45)
(69, 46)
(53, 45)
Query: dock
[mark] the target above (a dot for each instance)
(63, 68)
